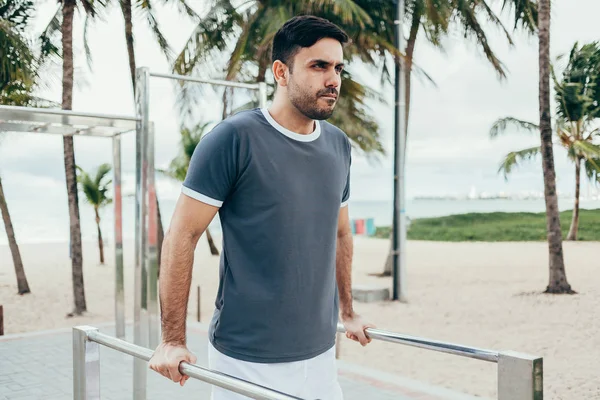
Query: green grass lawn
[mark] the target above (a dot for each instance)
(497, 227)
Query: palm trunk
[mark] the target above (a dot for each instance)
(100, 241)
(558, 278)
(126, 9)
(575, 221)
(127, 16)
(69, 159)
(22, 285)
(211, 243)
(409, 52)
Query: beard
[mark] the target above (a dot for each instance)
(308, 103)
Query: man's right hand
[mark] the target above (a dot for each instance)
(166, 360)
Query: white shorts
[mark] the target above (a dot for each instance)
(315, 378)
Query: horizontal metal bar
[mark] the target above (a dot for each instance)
(194, 371)
(443, 347)
(66, 117)
(64, 130)
(253, 86)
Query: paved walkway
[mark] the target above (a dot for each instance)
(38, 366)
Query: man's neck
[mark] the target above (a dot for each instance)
(290, 118)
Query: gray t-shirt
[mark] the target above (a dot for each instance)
(279, 194)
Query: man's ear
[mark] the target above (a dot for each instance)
(280, 73)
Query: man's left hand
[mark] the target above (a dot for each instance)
(355, 329)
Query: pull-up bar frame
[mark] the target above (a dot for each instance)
(146, 310)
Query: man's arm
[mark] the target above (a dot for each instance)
(355, 326)
(190, 219)
(343, 261)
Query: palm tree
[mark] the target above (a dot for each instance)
(558, 278)
(179, 165)
(250, 28)
(17, 77)
(147, 9)
(574, 130)
(95, 187)
(22, 284)
(90, 8)
(436, 18)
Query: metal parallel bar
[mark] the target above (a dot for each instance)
(443, 347)
(68, 117)
(140, 328)
(253, 86)
(152, 245)
(86, 365)
(118, 210)
(64, 130)
(194, 371)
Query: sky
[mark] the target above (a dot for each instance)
(449, 149)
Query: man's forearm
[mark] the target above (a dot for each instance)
(175, 280)
(344, 273)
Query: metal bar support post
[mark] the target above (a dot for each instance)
(140, 315)
(86, 365)
(520, 376)
(399, 217)
(118, 210)
(152, 245)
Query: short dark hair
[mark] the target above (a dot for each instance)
(303, 31)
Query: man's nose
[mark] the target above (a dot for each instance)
(333, 80)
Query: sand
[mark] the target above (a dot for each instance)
(478, 294)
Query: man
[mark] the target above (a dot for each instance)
(279, 178)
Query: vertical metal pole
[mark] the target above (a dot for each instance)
(520, 376)
(119, 274)
(262, 94)
(152, 245)
(140, 327)
(399, 218)
(86, 365)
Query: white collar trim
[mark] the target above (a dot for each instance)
(293, 135)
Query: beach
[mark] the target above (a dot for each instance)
(485, 295)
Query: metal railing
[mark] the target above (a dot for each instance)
(86, 368)
(520, 376)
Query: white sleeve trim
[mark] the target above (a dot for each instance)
(200, 197)
(344, 203)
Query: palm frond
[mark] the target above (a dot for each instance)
(586, 149)
(348, 11)
(503, 124)
(515, 158)
(51, 38)
(183, 7)
(591, 167)
(95, 189)
(209, 38)
(190, 138)
(466, 13)
(102, 172)
(525, 13)
(86, 43)
(148, 12)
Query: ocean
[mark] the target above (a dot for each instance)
(35, 221)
